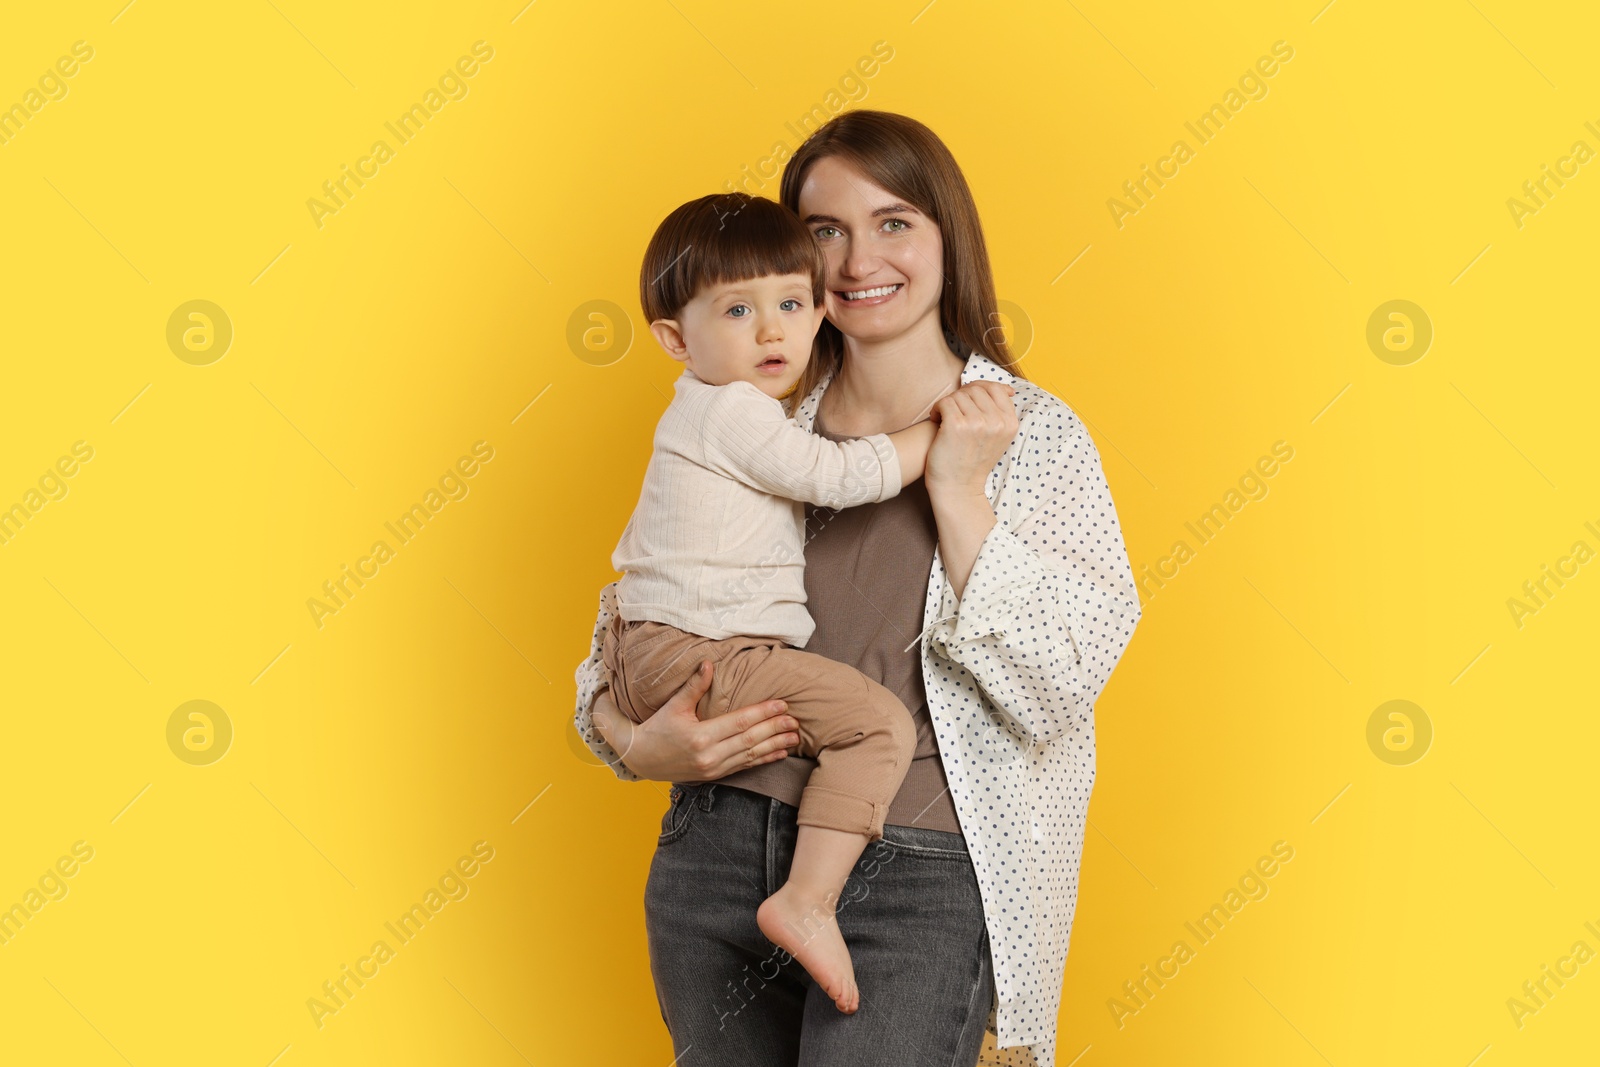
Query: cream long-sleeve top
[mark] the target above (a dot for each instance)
(716, 543)
(1012, 671)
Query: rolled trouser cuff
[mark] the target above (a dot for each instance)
(833, 810)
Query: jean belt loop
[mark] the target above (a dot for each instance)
(706, 796)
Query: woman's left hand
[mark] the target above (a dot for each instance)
(976, 425)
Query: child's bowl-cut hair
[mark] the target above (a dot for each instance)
(725, 237)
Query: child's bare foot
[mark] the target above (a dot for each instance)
(808, 931)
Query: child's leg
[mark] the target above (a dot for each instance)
(799, 918)
(649, 662)
(862, 737)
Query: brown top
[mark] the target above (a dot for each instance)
(866, 586)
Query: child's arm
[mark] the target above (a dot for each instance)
(911, 445)
(746, 436)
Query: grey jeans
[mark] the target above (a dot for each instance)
(910, 912)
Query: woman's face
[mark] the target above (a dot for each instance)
(885, 258)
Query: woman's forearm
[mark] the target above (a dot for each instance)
(612, 725)
(674, 745)
(964, 519)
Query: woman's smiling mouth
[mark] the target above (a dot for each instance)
(869, 297)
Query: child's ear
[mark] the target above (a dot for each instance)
(670, 337)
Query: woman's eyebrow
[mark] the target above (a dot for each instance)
(891, 209)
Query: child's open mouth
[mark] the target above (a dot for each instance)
(773, 365)
(868, 297)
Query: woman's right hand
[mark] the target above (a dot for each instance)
(673, 745)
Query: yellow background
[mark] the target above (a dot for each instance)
(432, 711)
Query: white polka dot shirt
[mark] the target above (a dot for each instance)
(1012, 671)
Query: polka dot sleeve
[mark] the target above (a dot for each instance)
(592, 677)
(1050, 605)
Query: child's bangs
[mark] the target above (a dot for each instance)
(722, 238)
(754, 244)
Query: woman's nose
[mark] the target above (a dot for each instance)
(859, 260)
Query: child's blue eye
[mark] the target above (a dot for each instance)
(796, 303)
(736, 307)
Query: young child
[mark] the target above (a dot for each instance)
(733, 288)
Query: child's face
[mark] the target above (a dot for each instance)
(757, 331)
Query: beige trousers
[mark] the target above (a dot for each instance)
(860, 734)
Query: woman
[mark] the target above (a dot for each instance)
(1008, 559)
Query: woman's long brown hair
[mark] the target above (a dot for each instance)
(905, 158)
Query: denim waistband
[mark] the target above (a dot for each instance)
(708, 794)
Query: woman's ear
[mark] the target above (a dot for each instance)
(670, 337)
